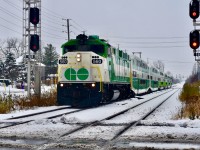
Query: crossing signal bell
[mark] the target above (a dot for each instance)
(34, 15)
(194, 9)
(194, 39)
(34, 43)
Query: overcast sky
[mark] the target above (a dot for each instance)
(157, 28)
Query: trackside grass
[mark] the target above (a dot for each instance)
(9, 103)
(6, 104)
(190, 96)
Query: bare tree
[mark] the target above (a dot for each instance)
(159, 65)
(194, 70)
(169, 73)
(11, 45)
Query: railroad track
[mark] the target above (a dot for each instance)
(113, 141)
(15, 123)
(82, 126)
(99, 122)
(10, 122)
(135, 123)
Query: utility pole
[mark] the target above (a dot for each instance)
(28, 31)
(68, 31)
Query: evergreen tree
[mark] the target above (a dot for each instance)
(22, 72)
(50, 59)
(10, 68)
(1, 69)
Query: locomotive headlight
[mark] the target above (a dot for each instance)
(61, 85)
(78, 57)
(93, 84)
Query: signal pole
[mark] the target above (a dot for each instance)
(29, 30)
(194, 8)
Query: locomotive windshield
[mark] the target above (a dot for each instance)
(98, 49)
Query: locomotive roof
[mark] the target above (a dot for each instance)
(89, 40)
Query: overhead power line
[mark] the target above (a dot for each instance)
(53, 13)
(10, 29)
(53, 34)
(171, 61)
(153, 37)
(158, 46)
(48, 25)
(156, 42)
(13, 5)
(79, 25)
(10, 13)
(50, 20)
(10, 22)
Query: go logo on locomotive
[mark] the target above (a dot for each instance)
(72, 74)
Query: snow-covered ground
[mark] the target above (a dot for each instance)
(154, 131)
(13, 90)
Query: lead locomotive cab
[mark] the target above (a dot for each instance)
(89, 73)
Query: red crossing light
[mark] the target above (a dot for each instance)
(194, 9)
(34, 15)
(34, 42)
(194, 39)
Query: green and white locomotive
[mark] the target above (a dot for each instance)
(91, 72)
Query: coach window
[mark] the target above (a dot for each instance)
(109, 52)
(114, 50)
(134, 74)
(120, 53)
(142, 82)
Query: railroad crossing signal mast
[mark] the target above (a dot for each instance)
(194, 35)
(32, 39)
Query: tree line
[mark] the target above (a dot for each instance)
(12, 48)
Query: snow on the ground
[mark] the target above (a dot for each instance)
(162, 132)
(163, 145)
(140, 111)
(6, 90)
(160, 125)
(32, 111)
(44, 128)
(168, 110)
(10, 90)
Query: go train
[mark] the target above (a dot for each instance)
(91, 72)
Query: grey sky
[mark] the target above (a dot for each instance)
(157, 28)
